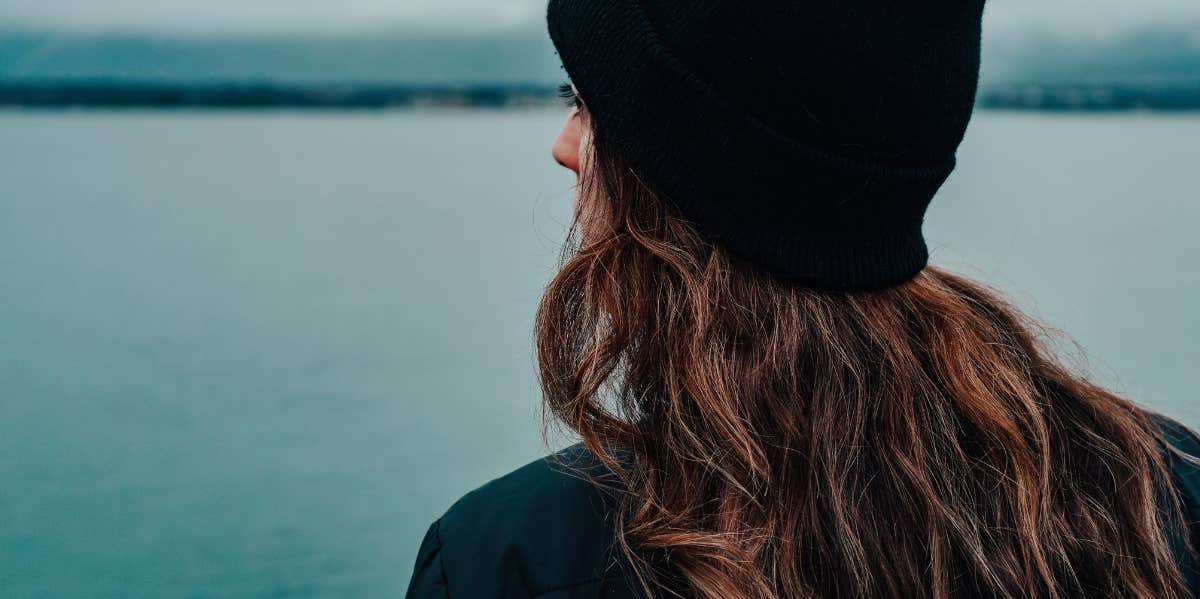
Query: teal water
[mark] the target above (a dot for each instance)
(253, 355)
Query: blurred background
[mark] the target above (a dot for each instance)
(268, 268)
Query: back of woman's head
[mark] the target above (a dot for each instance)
(774, 440)
(746, 331)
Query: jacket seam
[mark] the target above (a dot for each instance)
(437, 532)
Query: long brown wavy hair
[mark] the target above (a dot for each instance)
(778, 441)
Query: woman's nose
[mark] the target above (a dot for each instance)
(566, 145)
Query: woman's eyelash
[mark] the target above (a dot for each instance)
(567, 93)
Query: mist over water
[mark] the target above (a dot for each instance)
(253, 355)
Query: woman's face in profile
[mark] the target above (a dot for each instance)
(572, 140)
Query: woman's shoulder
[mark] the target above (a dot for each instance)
(542, 530)
(1183, 450)
(549, 492)
(1182, 454)
(1183, 457)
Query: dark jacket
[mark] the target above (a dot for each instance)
(545, 531)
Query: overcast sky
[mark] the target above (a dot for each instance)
(323, 15)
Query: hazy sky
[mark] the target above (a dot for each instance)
(232, 15)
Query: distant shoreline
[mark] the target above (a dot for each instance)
(265, 96)
(121, 94)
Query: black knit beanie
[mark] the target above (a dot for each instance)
(805, 137)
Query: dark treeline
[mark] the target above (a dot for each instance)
(119, 94)
(1091, 97)
(114, 94)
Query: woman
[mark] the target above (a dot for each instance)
(777, 397)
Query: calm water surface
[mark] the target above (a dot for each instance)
(253, 355)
